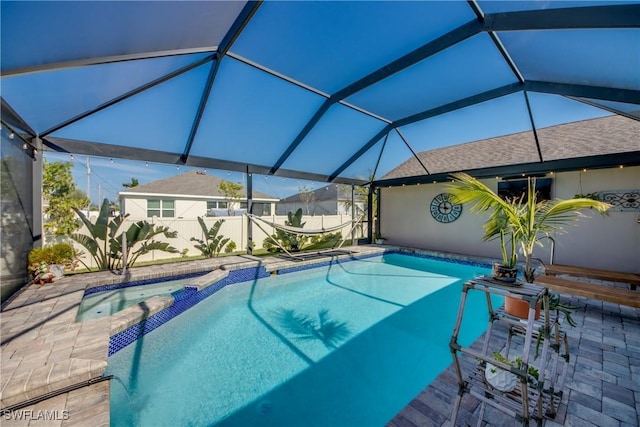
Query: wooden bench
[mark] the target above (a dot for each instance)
(613, 276)
(591, 290)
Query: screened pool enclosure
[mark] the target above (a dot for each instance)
(343, 92)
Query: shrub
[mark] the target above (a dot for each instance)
(230, 247)
(60, 253)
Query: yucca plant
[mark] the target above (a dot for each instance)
(525, 220)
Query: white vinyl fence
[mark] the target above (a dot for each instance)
(234, 227)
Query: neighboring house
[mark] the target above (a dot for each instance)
(190, 195)
(334, 199)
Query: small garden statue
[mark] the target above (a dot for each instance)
(41, 273)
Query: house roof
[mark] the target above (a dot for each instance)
(192, 183)
(607, 135)
(328, 192)
(307, 89)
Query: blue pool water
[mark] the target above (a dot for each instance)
(109, 302)
(349, 344)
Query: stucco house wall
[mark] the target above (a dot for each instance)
(607, 242)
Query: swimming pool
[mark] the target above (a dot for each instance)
(106, 303)
(346, 344)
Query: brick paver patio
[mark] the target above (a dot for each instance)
(44, 350)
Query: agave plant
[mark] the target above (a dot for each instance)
(525, 220)
(213, 243)
(104, 242)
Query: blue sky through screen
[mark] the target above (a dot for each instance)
(108, 175)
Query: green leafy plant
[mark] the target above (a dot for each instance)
(555, 304)
(525, 220)
(517, 363)
(213, 243)
(104, 242)
(231, 246)
(231, 191)
(59, 253)
(59, 189)
(289, 241)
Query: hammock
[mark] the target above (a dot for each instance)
(304, 232)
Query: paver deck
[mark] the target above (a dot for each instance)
(43, 350)
(603, 380)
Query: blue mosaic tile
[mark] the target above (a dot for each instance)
(190, 296)
(183, 301)
(440, 258)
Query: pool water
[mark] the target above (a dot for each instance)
(349, 344)
(109, 302)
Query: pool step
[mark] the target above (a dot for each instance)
(207, 280)
(137, 313)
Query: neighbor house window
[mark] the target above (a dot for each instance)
(216, 205)
(161, 208)
(261, 209)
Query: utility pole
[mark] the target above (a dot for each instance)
(89, 186)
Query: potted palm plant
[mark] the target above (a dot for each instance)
(525, 220)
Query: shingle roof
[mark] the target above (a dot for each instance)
(606, 135)
(328, 192)
(191, 183)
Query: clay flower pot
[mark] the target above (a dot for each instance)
(519, 308)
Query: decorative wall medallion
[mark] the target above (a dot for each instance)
(443, 209)
(622, 200)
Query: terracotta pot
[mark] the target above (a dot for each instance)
(504, 274)
(519, 308)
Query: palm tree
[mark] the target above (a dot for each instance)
(525, 220)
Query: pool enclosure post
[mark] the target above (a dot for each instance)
(36, 187)
(250, 211)
(370, 213)
(353, 213)
(124, 239)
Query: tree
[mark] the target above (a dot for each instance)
(525, 220)
(134, 183)
(308, 197)
(231, 191)
(59, 189)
